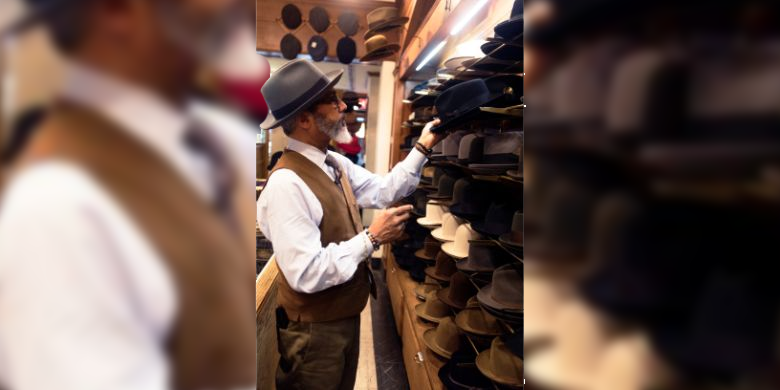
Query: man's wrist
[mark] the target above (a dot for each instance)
(374, 241)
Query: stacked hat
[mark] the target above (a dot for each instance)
(503, 297)
(381, 21)
(346, 49)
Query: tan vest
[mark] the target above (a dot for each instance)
(337, 302)
(212, 344)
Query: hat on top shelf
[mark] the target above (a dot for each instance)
(291, 16)
(319, 20)
(491, 64)
(513, 27)
(461, 102)
(317, 48)
(348, 23)
(383, 19)
(378, 47)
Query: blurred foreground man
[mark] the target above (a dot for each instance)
(309, 211)
(125, 228)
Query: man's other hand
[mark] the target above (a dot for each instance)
(388, 224)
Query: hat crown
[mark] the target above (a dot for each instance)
(444, 268)
(299, 76)
(431, 247)
(446, 186)
(380, 15)
(434, 212)
(485, 257)
(475, 320)
(460, 289)
(463, 235)
(470, 148)
(502, 362)
(446, 335)
(435, 308)
(507, 287)
(462, 98)
(504, 143)
(450, 225)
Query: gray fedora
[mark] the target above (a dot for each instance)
(295, 86)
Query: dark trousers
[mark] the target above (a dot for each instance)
(318, 355)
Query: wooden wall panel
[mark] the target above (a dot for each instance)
(270, 28)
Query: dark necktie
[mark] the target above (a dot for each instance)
(342, 182)
(223, 178)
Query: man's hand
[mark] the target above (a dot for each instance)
(388, 224)
(428, 139)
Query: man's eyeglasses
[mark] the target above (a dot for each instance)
(330, 97)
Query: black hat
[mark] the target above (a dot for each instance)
(346, 50)
(290, 46)
(317, 48)
(510, 51)
(461, 101)
(513, 27)
(491, 64)
(460, 372)
(348, 23)
(319, 20)
(469, 199)
(291, 16)
(498, 220)
(294, 86)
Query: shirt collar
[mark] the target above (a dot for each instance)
(312, 153)
(140, 112)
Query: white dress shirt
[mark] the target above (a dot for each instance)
(289, 215)
(86, 301)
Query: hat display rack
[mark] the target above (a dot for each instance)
(470, 201)
(319, 21)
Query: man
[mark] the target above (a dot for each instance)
(125, 236)
(309, 211)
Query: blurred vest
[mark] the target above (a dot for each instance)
(337, 302)
(212, 342)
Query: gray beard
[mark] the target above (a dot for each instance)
(336, 130)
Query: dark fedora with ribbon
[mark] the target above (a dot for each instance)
(290, 46)
(498, 220)
(346, 50)
(319, 20)
(513, 27)
(317, 48)
(461, 102)
(295, 86)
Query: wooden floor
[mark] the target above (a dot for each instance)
(366, 374)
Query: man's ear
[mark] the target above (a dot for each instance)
(305, 120)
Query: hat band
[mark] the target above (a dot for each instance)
(296, 103)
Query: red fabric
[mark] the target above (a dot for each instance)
(352, 147)
(246, 93)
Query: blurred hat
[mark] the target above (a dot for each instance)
(430, 285)
(446, 186)
(443, 269)
(459, 249)
(429, 250)
(319, 19)
(470, 198)
(484, 256)
(317, 48)
(461, 373)
(515, 235)
(457, 294)
(348, 23)
(476, 321)
(449, 226)
(420, 202)
(432, 309)
(444, 340)
(291, 16)
(294, 86)
(290, 46)
(499, 153)
(346, 50)
(383, 19)
(491, 64)
(500, 365)
(498, 220)
(503, 48)
(378, 47)
(505, 292)
(512, 27)
(470, 148)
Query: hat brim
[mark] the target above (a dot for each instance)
(381, 52)
(430, 342)
(333, 81)
(467, 114)
(511, 28)
(389, 24)
(439, 235)
(486, 299)
(484, 366)
(463, 321)
(444, 296)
